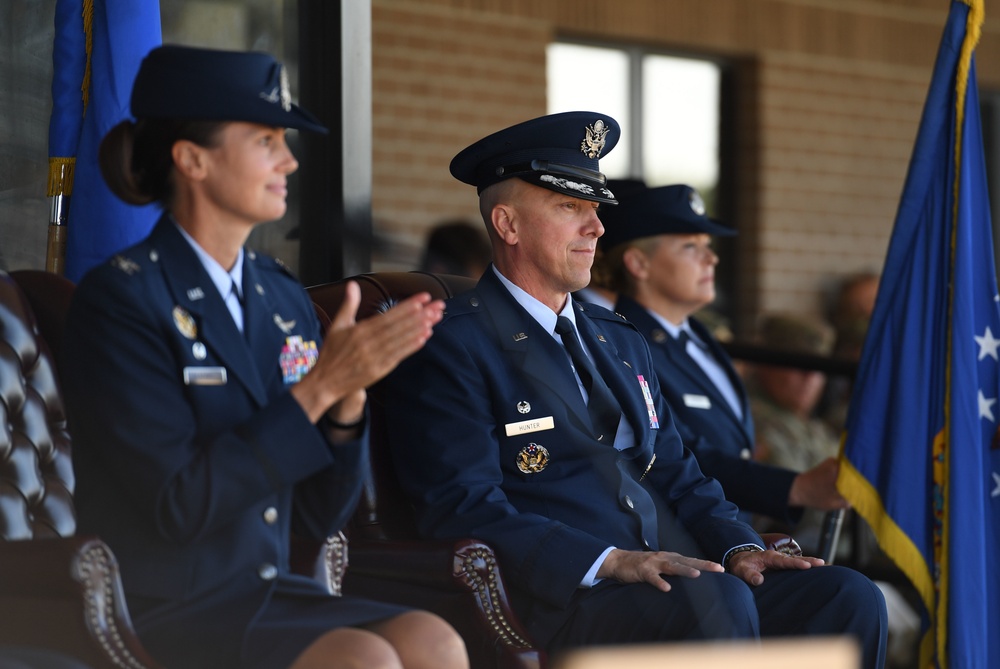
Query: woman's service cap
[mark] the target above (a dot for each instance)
(181, 82)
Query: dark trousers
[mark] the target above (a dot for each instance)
(820, 601)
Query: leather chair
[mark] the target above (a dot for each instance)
(459, 580)
(57, 591)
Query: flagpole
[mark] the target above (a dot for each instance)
(59, 191)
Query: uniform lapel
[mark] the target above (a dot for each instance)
(530, 349)
(194, 292)
(266, 328)
(680, 361)
(723, 359)
(617, 373)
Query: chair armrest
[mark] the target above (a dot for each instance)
(65, 594)
(324, 561)
(782, 543)
(464, 570)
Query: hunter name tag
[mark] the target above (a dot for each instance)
(205, 376)
(527, 426)
(697, 402)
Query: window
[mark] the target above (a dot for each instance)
(668, 107)
(670, 111)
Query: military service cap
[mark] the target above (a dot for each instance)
(180, 82)
(559, 152)
(666, 210)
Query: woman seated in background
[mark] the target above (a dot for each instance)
(209, 421)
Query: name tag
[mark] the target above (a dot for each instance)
(697, 402)
(527, 426)
(205, 376)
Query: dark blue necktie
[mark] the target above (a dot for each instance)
(605, 412)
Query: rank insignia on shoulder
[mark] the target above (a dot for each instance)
(532, 459)
(296, 359)
(126, 265)
(184, 322)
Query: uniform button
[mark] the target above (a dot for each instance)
(474, 301)
(645, 542)
(270, 515)
(267, 572)
(745, 454)
(628, 500)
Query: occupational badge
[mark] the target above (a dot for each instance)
(184, 322)
(296, 359)
(532, 459)
(593, 143)
(523, 407)
(285, 326)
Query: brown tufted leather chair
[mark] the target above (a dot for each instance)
(459, 580)
(57, 590)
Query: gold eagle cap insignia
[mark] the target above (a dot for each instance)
(593, 143)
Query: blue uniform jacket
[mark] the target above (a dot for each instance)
(722, 441)
(192, 459)
(467, 407)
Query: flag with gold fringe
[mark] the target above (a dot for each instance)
(96, 53)
(920, 460)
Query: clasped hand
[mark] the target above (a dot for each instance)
(357, 354)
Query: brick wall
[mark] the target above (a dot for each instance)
(441, 79)
(829, 95)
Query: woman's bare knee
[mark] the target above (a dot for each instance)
(424, 641)
(349, 648)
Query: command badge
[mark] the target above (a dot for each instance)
(532, 459)
(184, 322)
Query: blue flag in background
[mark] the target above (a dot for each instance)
(98, 47)
(920, 460)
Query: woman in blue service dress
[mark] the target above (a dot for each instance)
(209, 421)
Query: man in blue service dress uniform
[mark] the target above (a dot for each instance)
(536, 423)
(658, 257)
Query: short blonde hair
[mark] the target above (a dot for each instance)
(609, 269)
